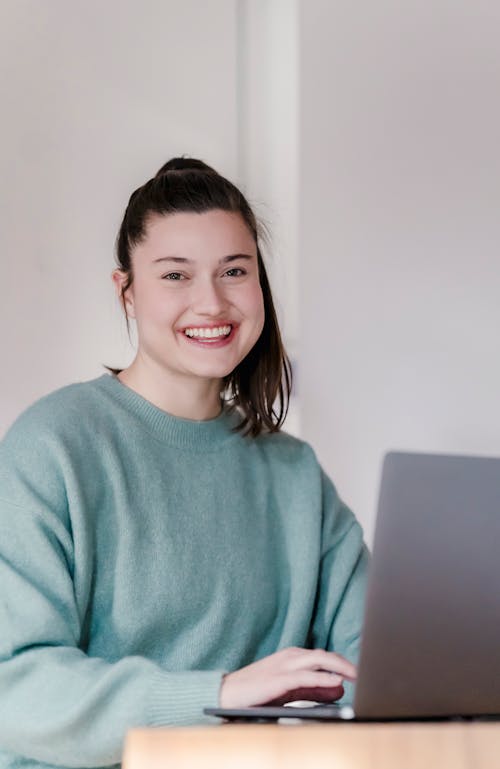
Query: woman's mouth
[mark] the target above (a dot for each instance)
(209, 337)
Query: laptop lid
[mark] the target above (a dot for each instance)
(431, 637)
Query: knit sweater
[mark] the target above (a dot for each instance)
(142, 556)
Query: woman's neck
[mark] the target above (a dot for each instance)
(186, 397)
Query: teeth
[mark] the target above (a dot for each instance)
(208, 333)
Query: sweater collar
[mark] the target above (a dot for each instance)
(176, 431)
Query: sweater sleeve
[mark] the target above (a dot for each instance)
(342, 583)
(57, 704)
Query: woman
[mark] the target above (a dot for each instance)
(164, 547)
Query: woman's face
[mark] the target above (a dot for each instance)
(196, 279)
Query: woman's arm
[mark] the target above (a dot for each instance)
(326, 671)
(57, 704)
(339, 610)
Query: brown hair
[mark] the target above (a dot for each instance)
(264, 376)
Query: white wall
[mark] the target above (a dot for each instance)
(269, 139)
(268, 135)
(399, 233)
(95, 97)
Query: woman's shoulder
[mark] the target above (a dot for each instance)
(43, 441)
(282, 446)
(63, 409)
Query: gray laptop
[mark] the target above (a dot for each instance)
(431, 634)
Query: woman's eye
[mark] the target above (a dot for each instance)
(236, 272)
(173, 276)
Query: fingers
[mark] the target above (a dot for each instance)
(318, 659)
(308, 679)
(275, 677)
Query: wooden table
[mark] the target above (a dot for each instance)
(457, 745)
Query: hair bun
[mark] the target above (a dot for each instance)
(185, 164)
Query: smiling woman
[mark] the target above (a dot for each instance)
(179, 314)
(191, 217)
(165, 546)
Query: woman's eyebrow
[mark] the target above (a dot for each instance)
(183, 260)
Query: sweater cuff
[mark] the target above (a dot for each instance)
(178, 699)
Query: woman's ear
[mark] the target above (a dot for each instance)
(125, 295)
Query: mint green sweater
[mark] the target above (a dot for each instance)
(142, 556)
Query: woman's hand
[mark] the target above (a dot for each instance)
(290, 674)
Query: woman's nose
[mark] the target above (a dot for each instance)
(208, 299)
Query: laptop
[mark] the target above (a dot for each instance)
(431, 634)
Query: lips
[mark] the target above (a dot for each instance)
(211, 342)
